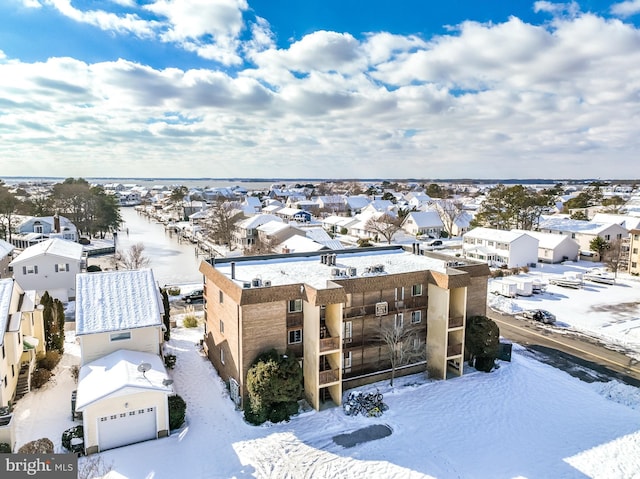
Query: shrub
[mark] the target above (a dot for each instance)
(5, 448)
(190, 321)
(177, 411)
(93, 268)
(69, 434)
(75, 372)
(40, 377)
(343, 231)
(173, 291)
(49, 361)
(484, 364)
(39, 446)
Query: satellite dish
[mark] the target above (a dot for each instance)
(167, 382)
(144, 367)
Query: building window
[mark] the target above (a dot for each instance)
(221, 327)
(3, 354)
(30, 269)
(416, 290)
(295, 305)
(123, 336)
(222, 356)
(633, 265)
(5, 380)
(221, 296)
(416, 317)
(13, 371)
(346, 362)
(295, 336)
(348, 331)
(635, 250)
(399, 320)
(60, 268)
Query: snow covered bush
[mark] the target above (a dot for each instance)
(177, 411)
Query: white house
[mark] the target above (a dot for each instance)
(50, 266)
(36, 229)
(423, 223)
(554, 248)
(21, 340)
(500, 247)
(245, 232)
(123, 386)
(6, 251)
(584, 232)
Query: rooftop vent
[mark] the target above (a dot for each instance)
(256, 282)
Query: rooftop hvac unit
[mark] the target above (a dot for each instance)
(256, 282)
(353, 271)
(335, 272)
(266, 283)
(246, 285)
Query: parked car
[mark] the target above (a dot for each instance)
(196, 295)
(540, 315)
(435, 242)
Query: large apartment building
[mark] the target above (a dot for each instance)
(329, 309)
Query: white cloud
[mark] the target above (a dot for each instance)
(626, 9)
(490, 100)
(130, 23)
(570, 9)
(31, 3)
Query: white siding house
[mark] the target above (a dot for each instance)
(6, 250)
(123, 386)
(36, 229)
(50, 266)
(500, 248)
(554, 248)
(423, 223)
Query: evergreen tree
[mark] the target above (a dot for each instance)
(482, 342)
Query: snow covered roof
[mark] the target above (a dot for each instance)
(273, 227)
(425, 219)
(356, 202)
(116, 300)
(548, 240)
(117, 374)
(626, 221)
(6, 291)
(310, 270)
(5, 248)
(258, 220)
(53, 247)
(575, 226)
(300, 244)
(503, 236)
(291, 211)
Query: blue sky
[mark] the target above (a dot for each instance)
(285, 88)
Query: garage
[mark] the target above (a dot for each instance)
(127, 427)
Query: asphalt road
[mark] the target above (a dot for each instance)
(581, 356)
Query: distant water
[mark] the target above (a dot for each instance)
(172, 262)
(251, 184)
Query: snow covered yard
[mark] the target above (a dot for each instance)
(526, 419)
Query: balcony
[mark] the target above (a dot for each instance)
(329, 376)
(329, 344)
(456, 322)
(454, 350)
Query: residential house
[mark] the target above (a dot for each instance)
(251, 205)
(423, 223)
(21, 340)
(554, 248)
(500, 248)
(6, 252)
(299, 244)
(331, 203)
(123, 386)
(327, 309)
(293, 214)
(273, 233)
(417, 200)
(584, 232)
(245, 233)
(634, 252)
(355, 204)
(335, 224)
(36, 229)
(52, 266)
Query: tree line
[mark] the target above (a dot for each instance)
(89, 208)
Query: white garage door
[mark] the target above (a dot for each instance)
(126, 428)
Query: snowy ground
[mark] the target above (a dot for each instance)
(609, 312)
(524, 420)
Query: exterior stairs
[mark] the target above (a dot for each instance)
(24, 383)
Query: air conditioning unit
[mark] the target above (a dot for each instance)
(353, 272)
(256, 282)
(246, 285)
(266, 283)
(335, 272)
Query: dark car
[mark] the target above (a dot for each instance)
(540, 315)
(196, 295)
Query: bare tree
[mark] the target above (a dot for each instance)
(385, 226)
(613, 256)
(133, 258)
(403, 345)
(220, 222)
(449, 211)
(93, 466)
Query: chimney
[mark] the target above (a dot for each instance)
(233, 270)
(56, 223)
